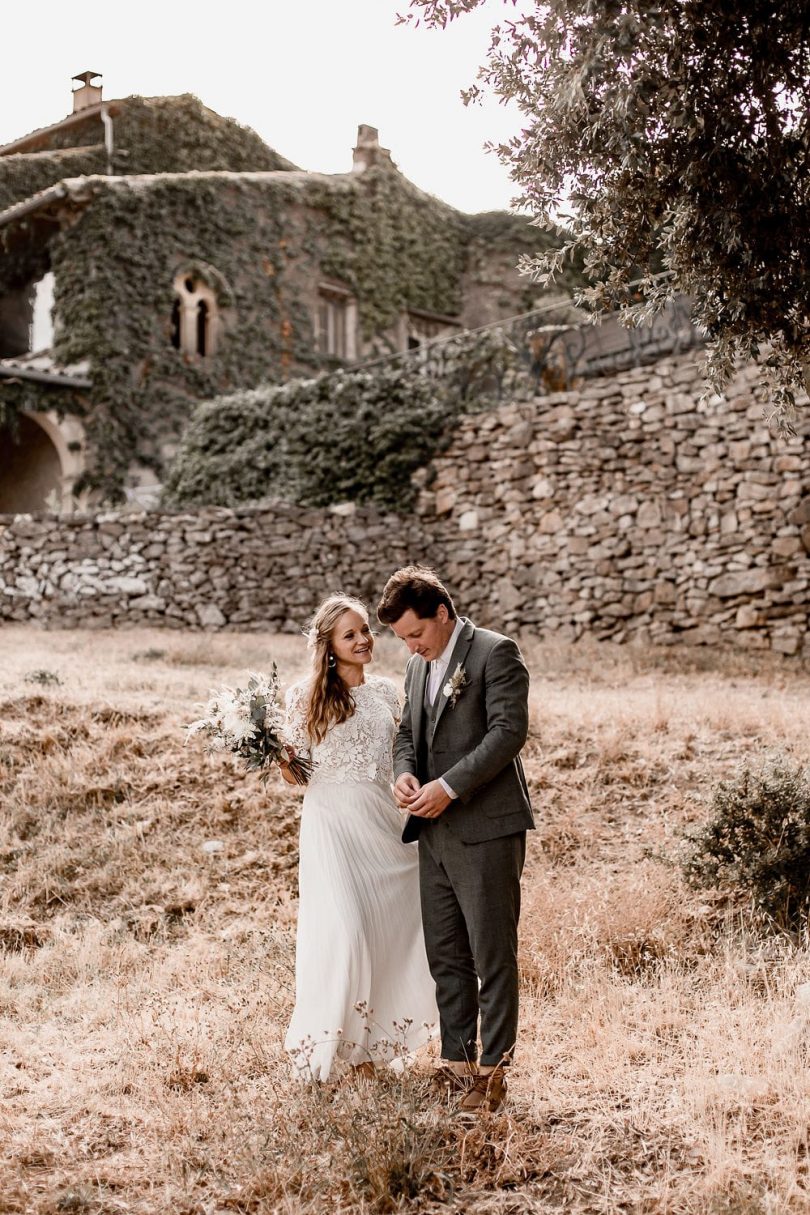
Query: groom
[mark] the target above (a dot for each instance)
(458, 773)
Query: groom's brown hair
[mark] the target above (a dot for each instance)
(415, 587)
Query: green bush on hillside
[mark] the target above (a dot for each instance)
(355, 436)
(757, 844)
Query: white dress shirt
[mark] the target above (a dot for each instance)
(438, 667)
(436, 678)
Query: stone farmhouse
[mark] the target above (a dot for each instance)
(154, 254)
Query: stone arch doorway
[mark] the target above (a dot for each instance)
(38, 464)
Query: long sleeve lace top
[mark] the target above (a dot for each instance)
(359, 749)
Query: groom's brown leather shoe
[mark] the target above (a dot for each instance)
(450, 1082)
(486, 1094)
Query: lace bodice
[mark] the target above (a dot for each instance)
(360, 748)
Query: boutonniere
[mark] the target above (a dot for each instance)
(455, 685)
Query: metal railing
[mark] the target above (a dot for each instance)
(551, 349)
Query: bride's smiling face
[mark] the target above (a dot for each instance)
(352, 642)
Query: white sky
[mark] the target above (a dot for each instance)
(303, 73)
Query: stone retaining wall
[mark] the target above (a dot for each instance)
(630, 509)
(626, 509)
(258, 568)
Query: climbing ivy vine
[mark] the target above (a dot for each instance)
(269, 239)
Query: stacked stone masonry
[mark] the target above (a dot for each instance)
(263, 567)
(627, 509)
(630, 509)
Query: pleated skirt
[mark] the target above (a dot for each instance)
(363, 991)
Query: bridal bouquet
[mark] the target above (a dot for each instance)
(249, 722)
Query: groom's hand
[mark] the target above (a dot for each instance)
(406, 788)
(432, 801)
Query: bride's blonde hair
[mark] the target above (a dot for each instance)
(330, 700)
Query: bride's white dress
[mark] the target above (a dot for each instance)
(362, 985)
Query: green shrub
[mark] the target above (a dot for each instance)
(356, 436)
(757, 844)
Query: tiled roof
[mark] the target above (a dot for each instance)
(81, 190)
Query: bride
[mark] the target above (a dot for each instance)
(363, 992)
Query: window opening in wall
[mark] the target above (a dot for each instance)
(41, 332)
(332, 336)
(195, 317)
(176, 324)
(202, 327)
(27, 317)
(336, 323)
(15, 322)
(421, 328)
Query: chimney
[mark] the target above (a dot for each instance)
(89, 94)
(368, 151)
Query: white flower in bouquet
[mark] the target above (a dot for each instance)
(236, 727)
(249, 722)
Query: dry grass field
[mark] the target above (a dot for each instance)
(145, 982)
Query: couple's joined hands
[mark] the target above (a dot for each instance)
(425, 801)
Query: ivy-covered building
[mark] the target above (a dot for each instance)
(154, 254)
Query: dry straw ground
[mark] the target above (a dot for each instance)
(144, 983)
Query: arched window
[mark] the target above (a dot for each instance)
(195, 317)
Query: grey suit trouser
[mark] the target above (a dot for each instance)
(470, 908)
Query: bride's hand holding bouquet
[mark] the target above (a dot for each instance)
(289, 763)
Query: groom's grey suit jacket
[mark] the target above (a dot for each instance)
(475, 743)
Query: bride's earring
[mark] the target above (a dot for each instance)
(331, 661)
